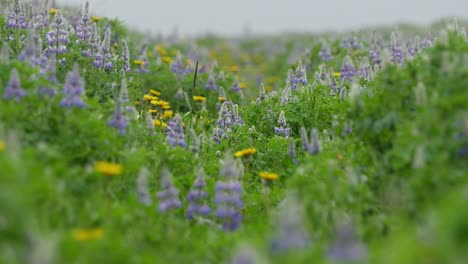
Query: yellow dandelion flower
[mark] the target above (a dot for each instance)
(167, 59)
(161, 50)
(154, 92)
(53, 11)
(269, 176)
(149, 97)
(245, 152)
(168, 114)
(96, 18)
(160, 123)
(221, 99)
(2, 145)
(166, 107)
(197, 98)
(234, 68)
(242, 85)
(337, 74)
(268, 88)
(138, 62)
(87, 234)
(152, 111)
(116, 45)
(108, 169)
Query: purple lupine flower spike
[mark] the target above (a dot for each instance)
(126, 57)
(106, 50)
(304, 138)
(57, 37)
(314, 144)
(228, 198)
(282, 129)
(365, 70)
(28, 54)
(396, 51)
(346, 247)
(50, 70)
(14, 90)
(292, 150)
(169, 195)
(299, 76)
(211, 83)
(348, 71)
(142, 187)
(16, 17)
(228, 118)
(175, 132)
(43, 18)
(118, 120)
(325, 53)
(197, 197)
(178, 66)
(94, 43)
(73, 89)
(291, 234)
(374, 54)
(84, 27)
(235, 86)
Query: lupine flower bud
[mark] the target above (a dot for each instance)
(228, 198)
(5, 53)
(262, 95)
(197, 197)
(118, 120)
(314, 145)
(346, 246)
(325, 53)
(292, 150)
(195, 147)
(291, 234)
(149, 123)
(126, 57)
(14, 90)
(73, 89)
(50, 70)
(178, 66)
(348, 71)
(169, 195)
(211, 83)
(304, 138)
(142, 187)
(235, 86)
(282, 128)
(175, 132)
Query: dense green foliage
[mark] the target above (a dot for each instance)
(399, 177)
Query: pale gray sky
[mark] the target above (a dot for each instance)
(272, 16)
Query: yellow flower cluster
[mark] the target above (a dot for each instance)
(96, 18)
(200, 99)
(269, 176)
(53, 11)
(88, 234)
(108, 169)
(245, 152)
(138, 62)
(337, 74)
(160, 123)
(221, 99)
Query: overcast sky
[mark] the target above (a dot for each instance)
(271, 16)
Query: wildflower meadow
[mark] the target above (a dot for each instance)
(123, 147)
